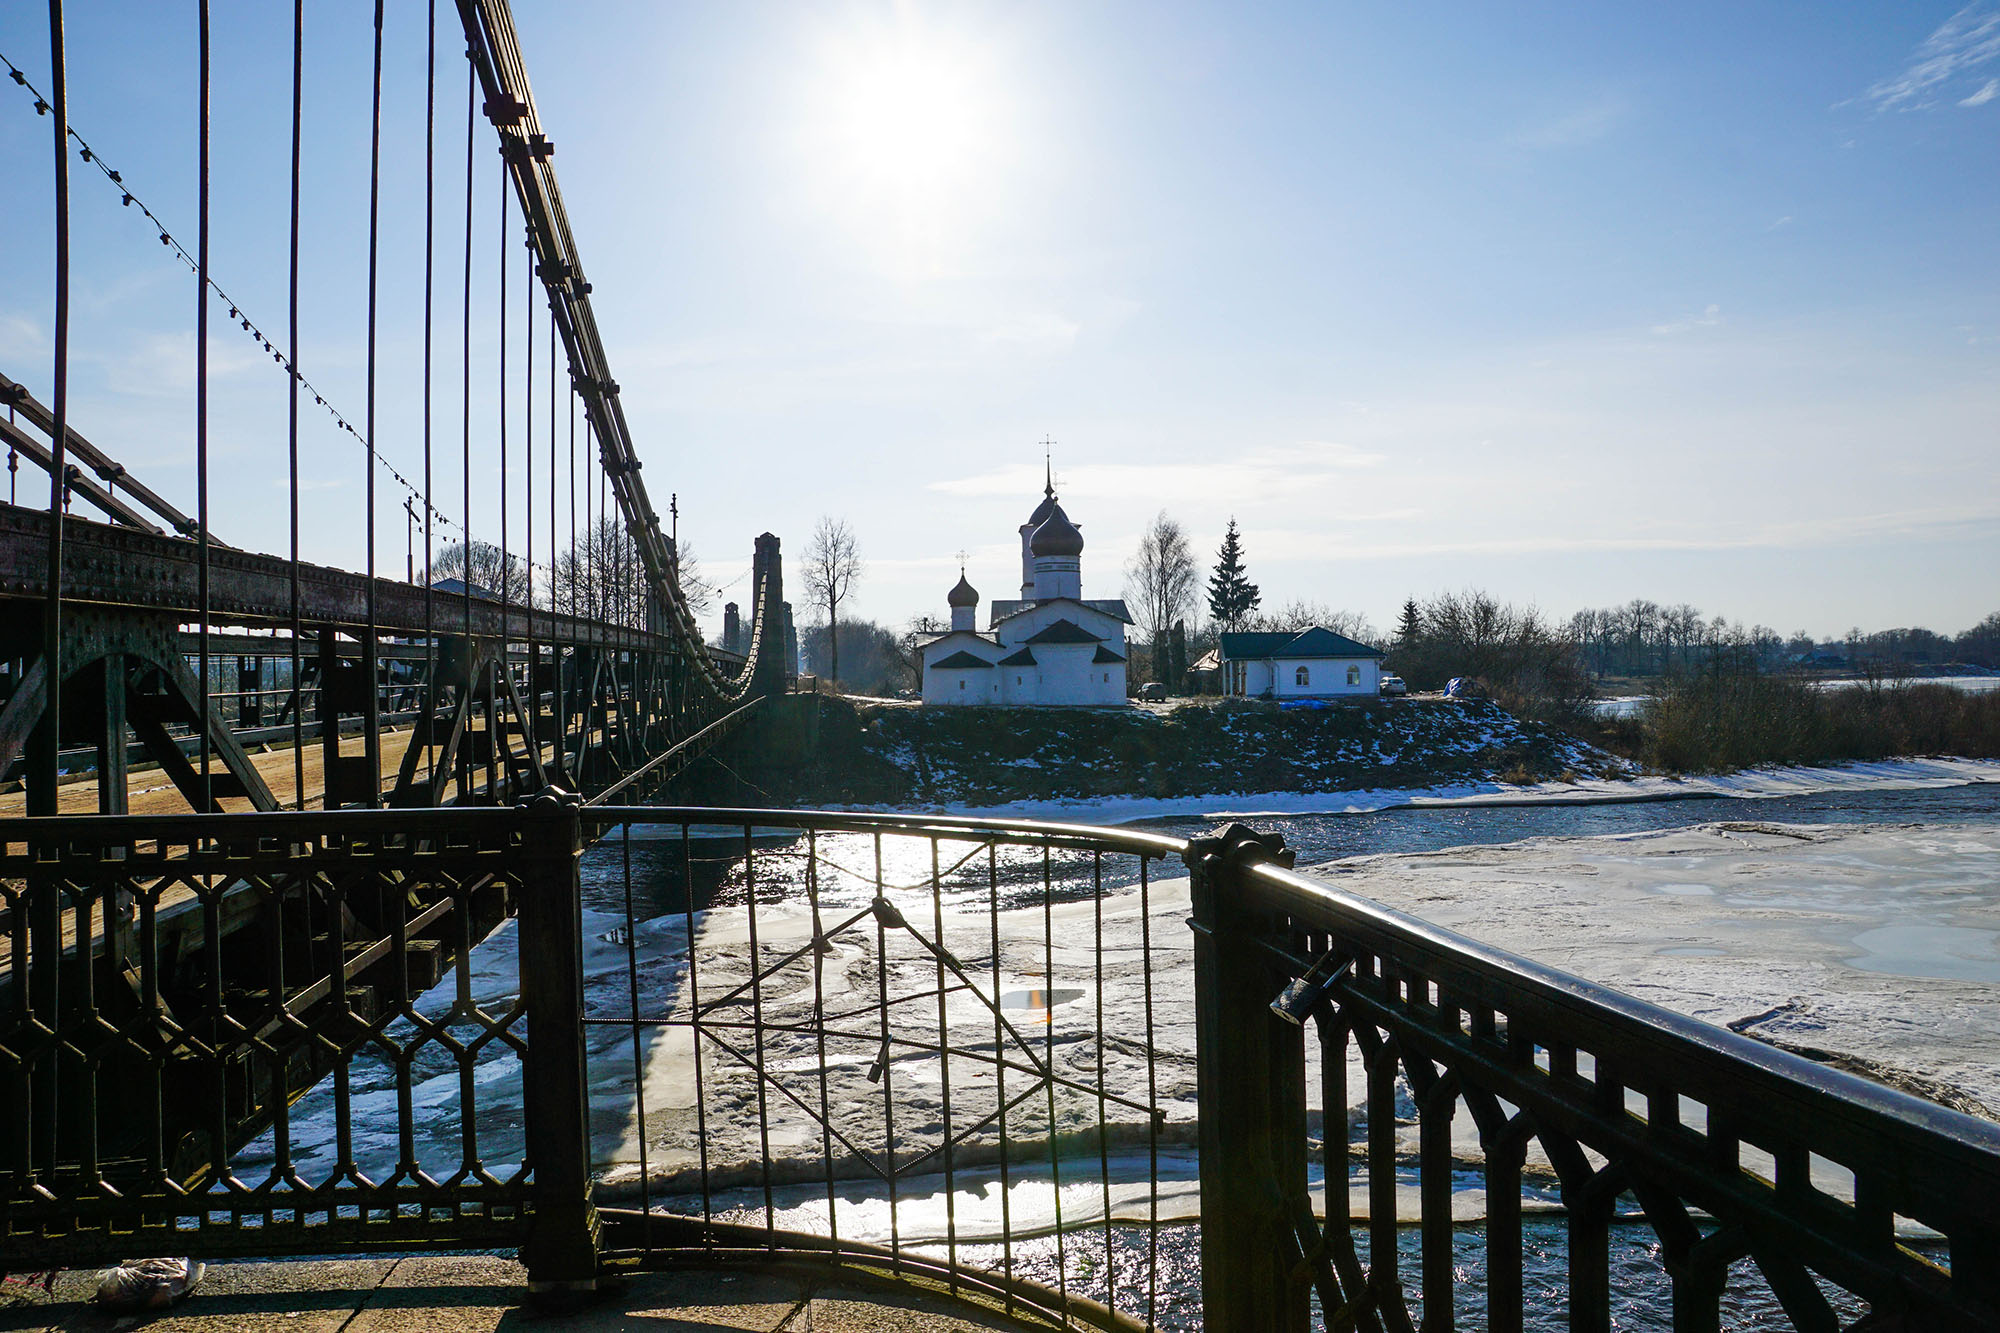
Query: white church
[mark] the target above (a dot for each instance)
(1049, 647)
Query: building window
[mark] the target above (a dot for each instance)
(1017, 680)
(961, 684)
(1354, 675)
(1107, 678)
(1303, 676)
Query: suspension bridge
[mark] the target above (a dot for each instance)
(126, 614)
(334, 915)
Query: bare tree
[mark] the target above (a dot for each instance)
(602, 579)
(1161, 578)
(832, 565)
(696, 590)
(1297, 615)
(488, 570)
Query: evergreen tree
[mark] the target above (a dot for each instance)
(1411, 626)
(1231, 596)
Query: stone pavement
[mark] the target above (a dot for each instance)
(480, 1294)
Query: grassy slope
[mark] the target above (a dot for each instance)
(983, 756)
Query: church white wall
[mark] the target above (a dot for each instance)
(1058, 576)
(967, 687)
(1069, 677)
(1020, 685)
(1035, 619)
(1063, 677)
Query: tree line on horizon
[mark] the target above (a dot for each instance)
(1541, 666)
(599, 577)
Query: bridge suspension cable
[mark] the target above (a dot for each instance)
(495, 54)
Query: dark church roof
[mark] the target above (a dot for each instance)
(1055, 535)
(1064, 631)
(959, 661)
(1105, 655)
(1022, 658)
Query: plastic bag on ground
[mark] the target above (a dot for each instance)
(149, 1284)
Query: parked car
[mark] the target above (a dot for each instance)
(1153, 691)
(1394, 685)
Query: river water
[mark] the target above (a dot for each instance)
(1381, 853)
(1642, 1291)
(1326, 837)
(1375, 847)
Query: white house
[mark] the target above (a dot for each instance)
(1049, 647)
(1311, 664)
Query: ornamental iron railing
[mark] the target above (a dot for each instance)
(986, 1055)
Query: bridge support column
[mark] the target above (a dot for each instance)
(769, 678)
(561, 1250)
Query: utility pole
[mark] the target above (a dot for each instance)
(410, 539)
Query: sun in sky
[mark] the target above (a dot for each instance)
(908, 133)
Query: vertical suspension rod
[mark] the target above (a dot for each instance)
(495, 53)
(371, 720)
(200, 410)
(42, 791)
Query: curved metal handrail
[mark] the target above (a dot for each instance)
(1764, 1079)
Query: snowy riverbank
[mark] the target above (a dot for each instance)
(1750, 784)
(1869, 945)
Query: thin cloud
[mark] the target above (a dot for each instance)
(1574, 128)
(1804, 534)
(1784, 221)
(1962, 43)
(1707, 319)
(1251, 477)
(20, 338)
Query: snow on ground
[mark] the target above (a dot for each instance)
(1875, 944)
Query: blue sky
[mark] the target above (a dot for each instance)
(1572, 303)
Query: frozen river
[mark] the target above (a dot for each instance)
(1856, 923)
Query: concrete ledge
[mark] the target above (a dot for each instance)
(482, 1293)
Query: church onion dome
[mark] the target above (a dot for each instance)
(1042, 511)
(1056, 535)
(964, 594)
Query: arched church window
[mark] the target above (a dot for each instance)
(1354, 675)
(1303, 676)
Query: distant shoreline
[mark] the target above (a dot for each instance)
(1751, 784)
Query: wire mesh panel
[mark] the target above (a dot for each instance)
(264, 1034)
(946, 1047)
